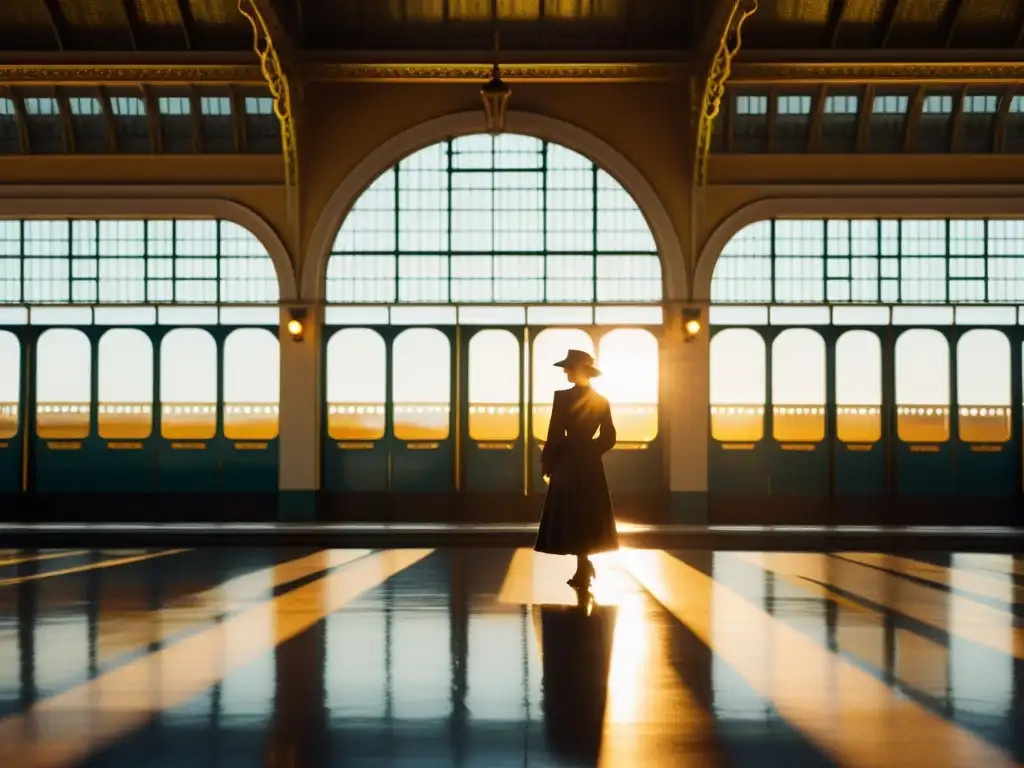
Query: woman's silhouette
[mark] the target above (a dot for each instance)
(578, 517)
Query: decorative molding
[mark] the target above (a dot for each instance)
(340, 72)
(475, 73)
(153, 74)
(814, 73)
(746, 72)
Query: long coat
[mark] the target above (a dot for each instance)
(578, 517)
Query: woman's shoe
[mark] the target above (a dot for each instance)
(583, 580)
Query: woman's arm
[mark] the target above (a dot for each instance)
(605, 440)
(555, 438)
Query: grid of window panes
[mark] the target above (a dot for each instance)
(133, 261)
(484, 219)
(888, 261)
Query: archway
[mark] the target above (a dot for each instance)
(542, 127)
(471, 256)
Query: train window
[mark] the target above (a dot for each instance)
(798, 386)
(549, 347)
(63, 384)
(10, 383)
(738, 385)
(125, 385)
(983, 386)
(422, 384)
(629, 362)
(252, 384)
(859, 387)
(355, 403)
(922, 386)
(494, 386)
(188, 385)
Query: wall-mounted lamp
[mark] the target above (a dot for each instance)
(691, 322)
(297, 324)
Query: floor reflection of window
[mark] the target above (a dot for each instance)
(247, 692)
(980, 678)
(62, 639)
(355, 677)
(421, 653)
(494, 667)
(734, 699)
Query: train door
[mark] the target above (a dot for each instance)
(390, 420)
(799, 452)
(861, 421)
(738, 457)
(12, 413)
(925, 416)
(492, 435)
(986, 458)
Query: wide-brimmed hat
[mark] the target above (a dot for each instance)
(577, 358)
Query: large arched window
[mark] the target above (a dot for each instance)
(133, 261)
(484, 219)
(872, 261)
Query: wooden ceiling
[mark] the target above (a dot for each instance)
(653, 28)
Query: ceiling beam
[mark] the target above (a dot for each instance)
(950, 19)
(24, 137)
(188, 23)
(58, 22)
(131, 18)
(830, 35)
(886, 22)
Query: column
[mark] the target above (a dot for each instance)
(301, 412)
(687, 394)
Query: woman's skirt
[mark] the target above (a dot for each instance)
(578, 518)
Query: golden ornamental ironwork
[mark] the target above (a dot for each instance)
(718, 74)
(277, 81)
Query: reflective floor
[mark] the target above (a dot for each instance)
(483, 657)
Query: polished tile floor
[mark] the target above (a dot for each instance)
(483, 657)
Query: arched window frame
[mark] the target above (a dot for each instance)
(604, 271)
(90, 261)
(873, 261)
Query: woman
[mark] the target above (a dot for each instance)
(578, 517)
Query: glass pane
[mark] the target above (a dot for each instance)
(494, 224)
(922, 386)
(983, 386)
(798, 386)
(859, 387)
(355, 404)
(63, 384)
(252, 384)
(126, 385)
(188, 385)
(494, 386)
(10, 383)
(422, 384)
(738, 386)
(629, 363)
(549, 347)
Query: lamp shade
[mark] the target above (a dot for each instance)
(495, 94)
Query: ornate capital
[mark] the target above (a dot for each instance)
(276, 77)
(718, 73)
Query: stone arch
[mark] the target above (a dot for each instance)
(388, 154)
(868, 202)
(95, 202)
